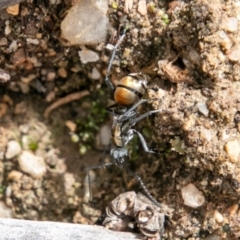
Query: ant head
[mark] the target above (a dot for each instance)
(118, 153)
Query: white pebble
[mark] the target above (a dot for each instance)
(218, 216)
(89, 179)
(229, 24)
(142, 7)
(31, 164)
(13, 46)
(32, 41)
(104, 133)
(232, 148)
(206, 134)
(13, 149)
(88, 56)
(234, 53)
(192, 196)
(226, 42)
(5, 212)
(202, 108)
(95, 74)
(86, 22)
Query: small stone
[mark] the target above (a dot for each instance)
(218, 216)
(104, 133)
(32, 41)
(13, 10)
(5, 212)
(18, 57)
(192, 196)
(71, 125)
(4, 76)
(202, 108)
(51, 76)
(6, 98)
(142, 7)
(232, 210)
(95, 74)
(3, 41)
(234, 53)
(3, 109)
(13, 149)
(62, 72)
(232, 148)
(28, 78)
(226, 42)
(86, 22)
(7, 29)
(89, 179)
(229, 24)
(14, 175)
(88, 56)
(20, 108)
(31, 164)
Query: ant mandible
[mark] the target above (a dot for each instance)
(128, 95)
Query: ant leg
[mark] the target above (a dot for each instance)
(143, 142)
(143, 186)
(147, 114)
(88, 175)
(125, 116)
(108, 82)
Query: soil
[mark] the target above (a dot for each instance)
(189, 51)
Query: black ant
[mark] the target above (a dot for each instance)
(127, 95)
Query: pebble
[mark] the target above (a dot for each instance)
(232, 210)
(33, 41)
(88, 56)
(202, 108)
(234, 53)
(232, 148)
(192, 196)
(20, 108)
(218, 216)
(3, 109)
(6, 98)
(51, 76)
(31, 164)
(4, 76)
(142, 7)
(72, 126)
(28, 78)
(7, 29)
(86, 22)
(13, 10)
(5, 212)
(104, 135)
(62, 72)
(90, 178)
(229, 24)
(14, 175)
(95, 74)
(13, 149)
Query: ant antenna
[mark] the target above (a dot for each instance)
(109, 83)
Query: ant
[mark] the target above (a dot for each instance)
(128, 96)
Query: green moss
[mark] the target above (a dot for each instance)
(88, 127)
(114, 5)
(33, 145)
(165, 18)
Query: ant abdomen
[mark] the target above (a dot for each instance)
(130, 89)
